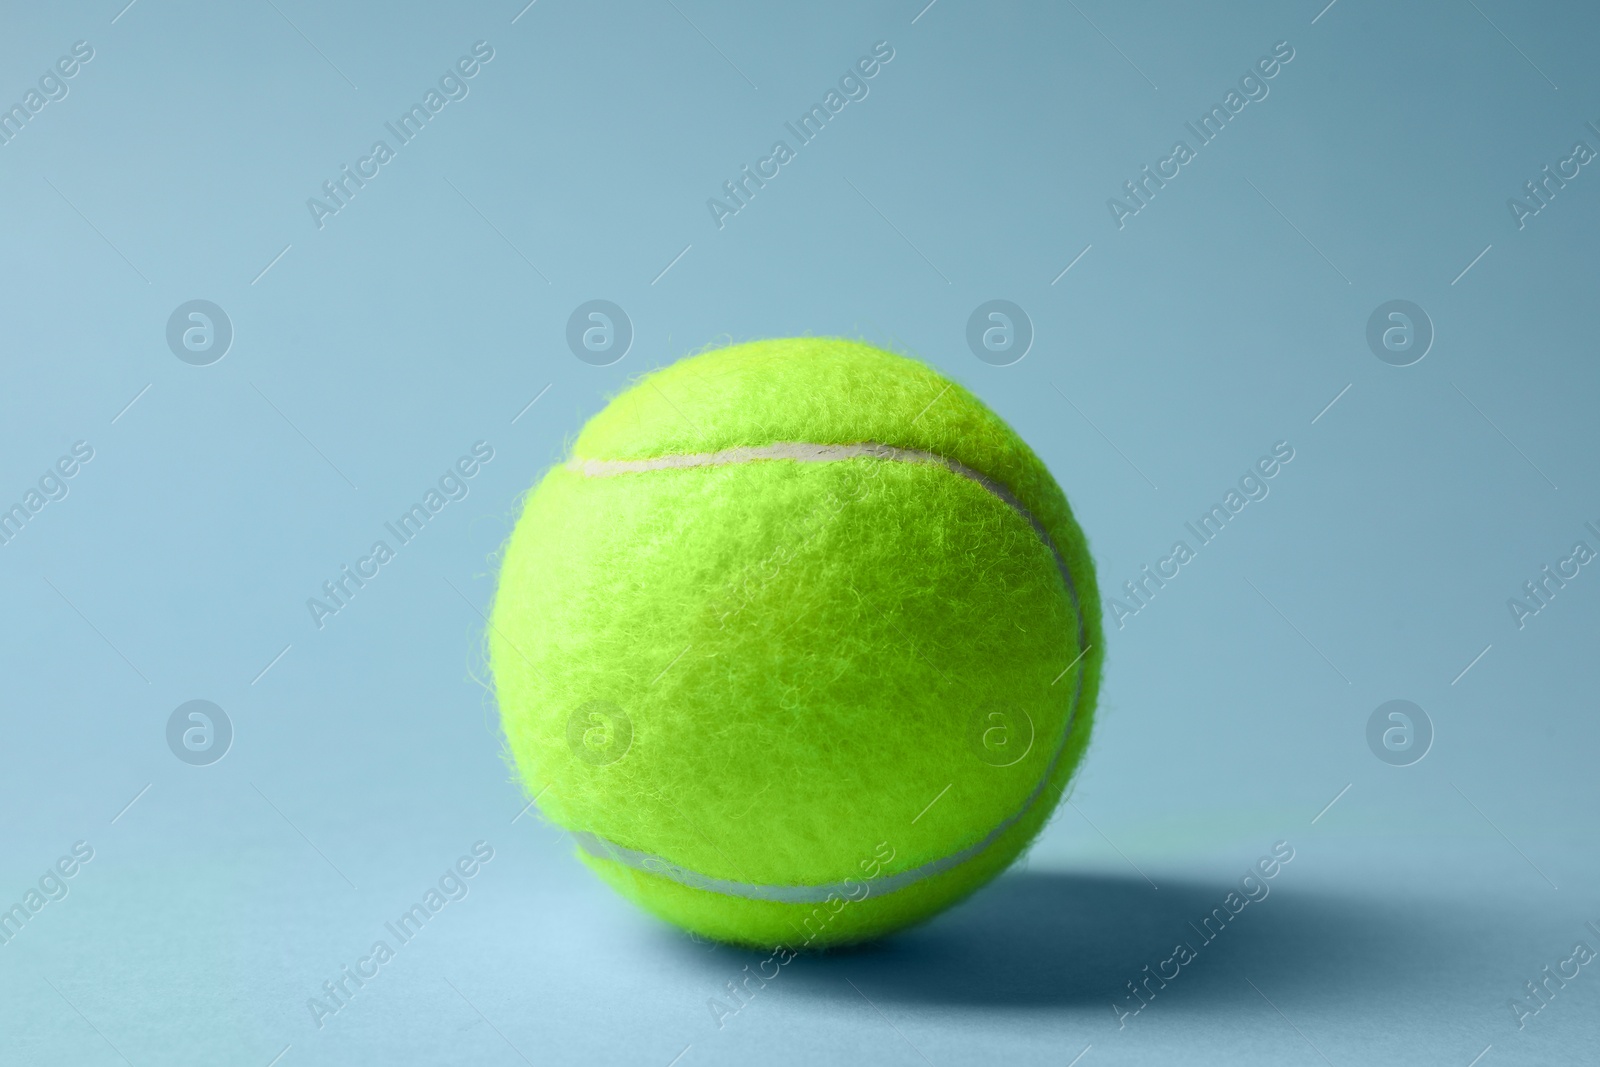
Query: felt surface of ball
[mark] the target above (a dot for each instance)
(801, 643)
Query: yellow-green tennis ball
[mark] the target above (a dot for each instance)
(801, 643)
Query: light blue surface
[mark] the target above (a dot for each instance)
(422, 318)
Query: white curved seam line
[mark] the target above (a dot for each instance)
(803, 452)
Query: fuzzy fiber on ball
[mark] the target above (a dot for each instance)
(779, 673)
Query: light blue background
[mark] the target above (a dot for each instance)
(425, 316)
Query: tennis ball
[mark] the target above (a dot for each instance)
(801, 643)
